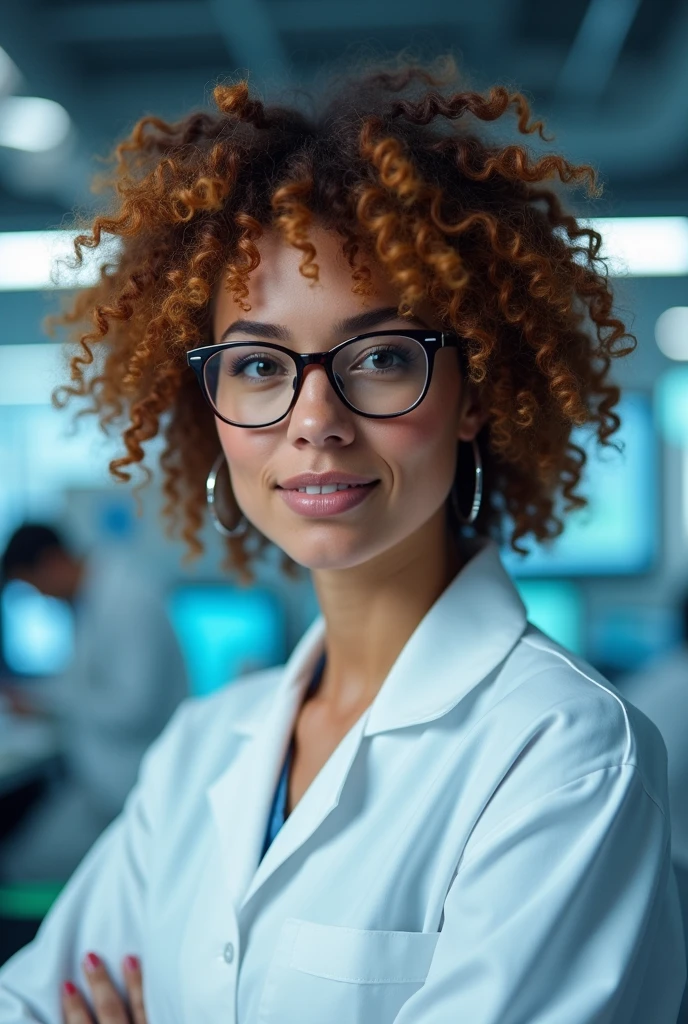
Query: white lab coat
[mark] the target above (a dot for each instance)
(488, 844)
(126, 679)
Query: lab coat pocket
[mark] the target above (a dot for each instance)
(324, 973)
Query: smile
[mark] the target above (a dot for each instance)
(329, 500)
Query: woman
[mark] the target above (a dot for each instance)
(433, 812)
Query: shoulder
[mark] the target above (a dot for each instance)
(550, 733)
(573, 719)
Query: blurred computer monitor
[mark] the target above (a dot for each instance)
(556, 607)
(36, 632)
(225, 632)
(618, 533)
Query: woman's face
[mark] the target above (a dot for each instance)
(412, 457)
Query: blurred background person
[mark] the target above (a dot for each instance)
(126, 678)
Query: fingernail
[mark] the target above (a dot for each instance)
(131, 963)
(91, 962)
(68, 988)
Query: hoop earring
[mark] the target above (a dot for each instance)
(477, 491)
(241, 526)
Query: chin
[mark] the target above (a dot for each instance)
(327, 556)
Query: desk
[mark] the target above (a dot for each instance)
(28, 749)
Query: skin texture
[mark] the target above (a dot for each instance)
(379, 567)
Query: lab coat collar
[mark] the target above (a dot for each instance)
(468, 631)
(241, 797)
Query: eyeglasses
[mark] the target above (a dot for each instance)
(380, 375)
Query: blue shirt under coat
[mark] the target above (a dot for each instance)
(279, 803)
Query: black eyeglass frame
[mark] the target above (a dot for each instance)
(431, 341)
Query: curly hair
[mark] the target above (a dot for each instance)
(398, 161)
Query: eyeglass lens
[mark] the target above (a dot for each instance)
(252, 385)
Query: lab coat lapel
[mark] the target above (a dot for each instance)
(240, 799)
(316, 804)
(468, 632)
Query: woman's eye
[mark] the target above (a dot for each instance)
(382, 359)
(263, 367)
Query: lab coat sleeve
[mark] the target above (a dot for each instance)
(551, 918)
(101, 908)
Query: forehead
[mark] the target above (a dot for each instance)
(278, 291)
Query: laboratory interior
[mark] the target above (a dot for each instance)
(610, 79)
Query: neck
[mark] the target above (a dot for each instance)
(371, 610)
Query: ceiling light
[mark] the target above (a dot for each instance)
(32, 124)
(644, 246)
(635, 246)
(671, 332)
(34, 260)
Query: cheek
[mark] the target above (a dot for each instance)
(246, 451)
(420, 448)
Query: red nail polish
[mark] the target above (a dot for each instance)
(131, 963)
(91, 962)
(68, 988)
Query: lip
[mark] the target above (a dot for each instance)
(334, 476)
(317, 506)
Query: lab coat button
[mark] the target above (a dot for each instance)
(228, 953)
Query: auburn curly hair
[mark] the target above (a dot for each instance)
(399, 162)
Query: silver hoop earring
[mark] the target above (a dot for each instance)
(241, 526)
(477, 491)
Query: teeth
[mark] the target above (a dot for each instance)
(327, 488)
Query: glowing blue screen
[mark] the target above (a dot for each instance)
(225, 632)
(618, 532)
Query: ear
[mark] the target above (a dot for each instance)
(473, 415)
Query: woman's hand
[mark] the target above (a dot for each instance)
(107, 1002)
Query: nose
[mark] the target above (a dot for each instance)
(319, 414)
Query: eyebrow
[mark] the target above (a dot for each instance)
(358, 324)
